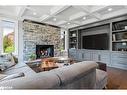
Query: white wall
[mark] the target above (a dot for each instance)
(66, 38)
(16, 38)
(0, 38)
(20, 41)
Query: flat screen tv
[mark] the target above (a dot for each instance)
(97, 42)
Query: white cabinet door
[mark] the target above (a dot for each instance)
(95, 56)
(105, 58)
(119, 60)
(80, 54)
(87, 56)
(73, 53)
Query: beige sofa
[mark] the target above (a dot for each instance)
(80, 75)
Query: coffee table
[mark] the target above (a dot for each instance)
(47, 64)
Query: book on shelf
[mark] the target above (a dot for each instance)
(113, 37)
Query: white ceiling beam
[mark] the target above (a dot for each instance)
(88, 12)
(96, 15)
(21, 11)
(74, 17)
(30, 18)
(115, 13)
(77, 16)
(76, 22)
(89, 21)
(97, 8)
(61, 22)
(54, 11)
(44, 17)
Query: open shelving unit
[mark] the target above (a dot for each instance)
(116, 29)
(73, 39)
(119, 35)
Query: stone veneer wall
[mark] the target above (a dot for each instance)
(38, 34)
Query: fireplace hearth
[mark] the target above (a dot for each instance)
(44, 51)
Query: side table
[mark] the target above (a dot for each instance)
(102, 66)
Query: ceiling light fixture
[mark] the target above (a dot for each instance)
(34, 13)
(68, 23)
(54, 19)
(109, 9)
(84, 17)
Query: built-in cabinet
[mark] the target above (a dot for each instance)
(119, 60)
(115, 56)
(111, 58)
(90, 55)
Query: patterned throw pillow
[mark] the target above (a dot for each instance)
(12, 76)
(6, 61)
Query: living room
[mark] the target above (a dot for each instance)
(63, 47)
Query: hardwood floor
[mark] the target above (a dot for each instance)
(117, 78)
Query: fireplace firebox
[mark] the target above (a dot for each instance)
(44, 51)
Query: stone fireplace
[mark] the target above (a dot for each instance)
(40, 34)
(44, 51)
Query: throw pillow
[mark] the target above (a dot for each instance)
(17, 75)
(8, 61)
(2, 67)
(2, 76)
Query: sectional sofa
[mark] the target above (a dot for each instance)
(81, 75)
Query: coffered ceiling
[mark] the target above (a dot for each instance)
(63, 16)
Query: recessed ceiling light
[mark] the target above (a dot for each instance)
(68, 23)
(109, 9)
(34, 13)
(84, 17)
(54, 19)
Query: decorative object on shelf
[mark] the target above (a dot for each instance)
(73, 35)
(113, 37)
(122, 49)
(125, 35)
(126, 27)
(124, 43)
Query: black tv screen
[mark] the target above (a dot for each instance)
(98, 42)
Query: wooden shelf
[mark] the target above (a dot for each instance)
(73, 37)
(117, 31)
(73, 42)
(119, 41)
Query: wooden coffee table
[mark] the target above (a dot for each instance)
(47, 64)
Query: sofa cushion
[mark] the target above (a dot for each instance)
(12, 76)
(101, 79)
(43, 80)
(75, 71)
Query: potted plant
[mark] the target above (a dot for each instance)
(32, 57)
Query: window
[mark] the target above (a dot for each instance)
(8, 36)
